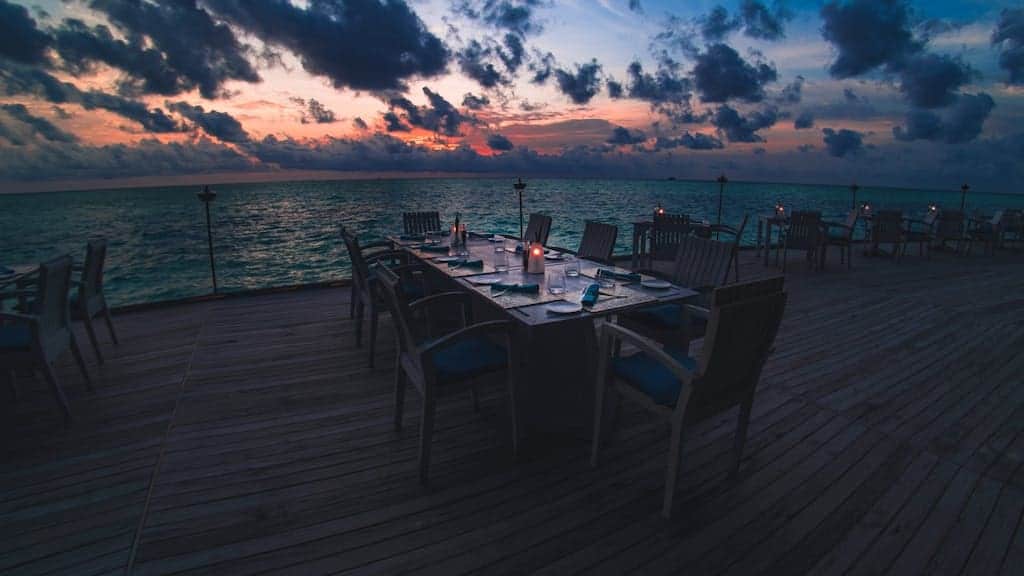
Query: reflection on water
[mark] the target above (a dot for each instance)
(277, 234)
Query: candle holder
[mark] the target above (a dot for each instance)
(780, 210)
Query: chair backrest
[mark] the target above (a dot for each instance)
(702, 262)
(804, 230)
(52, 304)
(91, 288)
(666, 234)
(851, 222)
(741, 331)
(538, 228)
(949, 224)
(398, 306)
(360, 272)
(598, 241)
(887, 226)
(421, 222)
(1013, 221)
(997, 219)
(667, 218)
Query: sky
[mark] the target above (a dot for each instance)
(879, 92)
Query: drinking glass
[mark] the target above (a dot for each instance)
(501, 260)
(572, 267)
(556, 280)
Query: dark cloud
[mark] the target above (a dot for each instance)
(634, 5)
(513, 52)
(805, 148)
(691, 140)
(962, 122)
(542, 65)
(363, 45)
(720, 74)
(793, 91)
(622, 136)
(738, 128)
(473, 61)
(392, 123)
(36, 125)
(868, 34)
(763, 23)
(162, 52)
(803, 121)
(850, 95)
(151, 119)
(667, 91)
(718, 24)
(20, 39)
(582, 85)
(517, 16)
(615, 89)
(499, 143)
(1009, 36)
(759, 151)
(438, 116)
(359, 124)
(61, 113)
(473, 102)
(931, 80)
(318, 113)
(843, 142)
(220, 125)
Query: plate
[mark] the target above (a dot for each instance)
(447, 259)
(554, 256)
(655, 284)
(483, 280)
(564, 307)
(497, 238)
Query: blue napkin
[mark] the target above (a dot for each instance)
(590, 295)
(627, 276)
(413, 237)
(525, 288)
(433, 248)
(466, 263)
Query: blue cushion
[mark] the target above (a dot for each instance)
(669, 317)
(651, 377)
(17, 336)
(468, 357)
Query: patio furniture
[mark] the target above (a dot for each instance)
(920, 232)
(538, 228)
(456, 360)
(37, 340)
(1013, 229)
(949, 227)
(887, 228)
(89, 303)
(421, 222)
(804, 232)
(683, 389)
(664, 236)
(737, 235)
(598, 241)
(987, 231)
(365, 294)
(765, 223)
(841, 234)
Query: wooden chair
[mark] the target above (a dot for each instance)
(538, 228)
(89, 302)
(736, 234)
(949, 227)
(841, 234)
(1012, 229)
(447, 363)
(30, 341)
(887, 228)
(804, 232)
(685, 390)
(598, 241)
(920, 232)
(665, 235)
(365, 294)
(421, 222)
(988, 232)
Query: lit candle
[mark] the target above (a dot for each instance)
(535, 263)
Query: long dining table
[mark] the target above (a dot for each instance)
(558, 350)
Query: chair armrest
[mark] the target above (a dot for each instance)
(698, 311)
(17, 317)
(387, 254)
(491, 326)
(609, 330)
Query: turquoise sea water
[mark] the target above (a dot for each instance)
(277, 234)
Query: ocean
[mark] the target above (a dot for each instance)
(279, 234)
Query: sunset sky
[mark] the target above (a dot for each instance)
(887, 92)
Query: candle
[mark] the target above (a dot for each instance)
(535, 263)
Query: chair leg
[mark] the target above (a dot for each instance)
(110, 325)
(675, 456)
(360, 311)
(742, 424)
(51, 378)
(399, 393)
(92, 337)
(374, 315)
(601, 387)
(426, 434)
(353, 296)
(77, 352)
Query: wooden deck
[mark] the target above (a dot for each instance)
(246, 435)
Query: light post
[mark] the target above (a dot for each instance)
(520, 186)
(853, 192)
(207, 196)
(963, 197)
(721, 190)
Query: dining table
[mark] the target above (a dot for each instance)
(555, 334)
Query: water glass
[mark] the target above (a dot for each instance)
(500, 260)
(556, 281)
(572, 267)
(605, 281)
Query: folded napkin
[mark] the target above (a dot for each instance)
(441, 248)
(414, 237)
(525, 288)
(590, 295)
(627, 276)
(466, 263)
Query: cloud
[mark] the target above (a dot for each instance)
(359, 124)
(867, 34)
(473, 61)
(318, 113)
(220, 125)
(667, 91)
(717, 24)
(759, 151)
(843, 142)
(364, 45)
(720, 74)
(931, 80)
(738, 128)
(693, 141)
(542, 65)
(516, 16)
(1009, 36)
(622, 137)
(582, 85)
(499, 143)
(962, 122)
(850, 95)
(793, 91)
(803, 121)
(615, 89)
(439, 116)
(36, 125)
(473, 102)
(634, 5)
(763, 23)
(20, 39)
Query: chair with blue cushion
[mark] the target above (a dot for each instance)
(598, 242)
(88, 302)
(37, 340)
(447, 363)
(684, 389)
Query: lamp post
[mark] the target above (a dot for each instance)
(721, 190)
(963, 197)
(853, 191)
(520, 186)
(207, 196)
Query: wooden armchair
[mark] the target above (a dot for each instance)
(665, 235)
(598, 242)
(538, 228)
(949, 227)
(736, 236)
(37, 340)
(1012, 228)
(420, 222)
(89, 302)
(988, 232)
(683, 389)
(887, 228)
(453, 361)
(920, 231)
(841, 234)
(804, 232)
